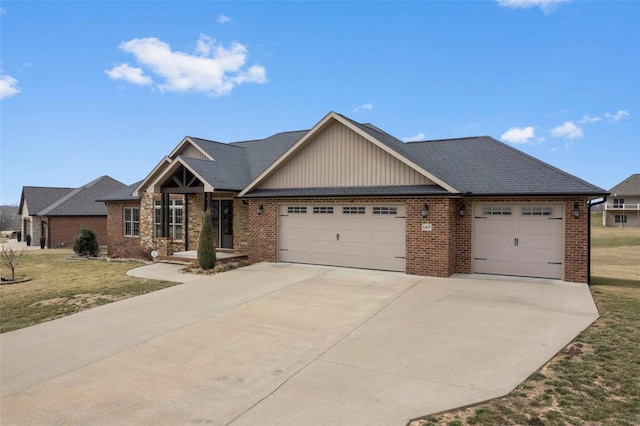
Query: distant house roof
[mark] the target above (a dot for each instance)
(629, 186)
(473, 166)
(42, 201)
(39, 197)
(123, 194)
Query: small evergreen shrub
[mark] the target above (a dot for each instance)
(86, 243)
(206, 246)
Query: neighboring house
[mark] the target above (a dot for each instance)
(60, 213)
(349, 194)
(623, 206)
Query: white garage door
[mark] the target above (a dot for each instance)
(359, 236)
(524, 240)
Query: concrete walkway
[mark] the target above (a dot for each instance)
(289, 344)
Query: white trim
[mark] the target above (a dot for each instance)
(317, 128)
(186, 140)
(162, 162)
(155, 186)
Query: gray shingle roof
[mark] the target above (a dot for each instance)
(629, 186)
(80, 201)
(124, 194)
(39, 197)
(473, 166)
(484, 166)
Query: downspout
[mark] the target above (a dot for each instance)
(590, 204)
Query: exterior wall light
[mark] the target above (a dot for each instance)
(462, 211)
(259, 209)
(425, 211)
(576, 210)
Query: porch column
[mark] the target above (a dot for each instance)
(164, 214)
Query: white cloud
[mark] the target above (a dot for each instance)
(567, 130)
(588, 119)
(617, 116)
(213, 68)
(223, 19)
(519, 134)
(365, 107)
(547, 6)
(419, 137)
(130, 74)
(8, 87)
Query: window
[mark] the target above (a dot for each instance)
(618, 203)
(496, 211)
(353, 210)
(175, 219)
(621, 218)
(385, 210)
(537, 211)
(322, 210)
(131, 221)
(297, 209)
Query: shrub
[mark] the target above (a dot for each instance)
(206, 246)
(86, 243)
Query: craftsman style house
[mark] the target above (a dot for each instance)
(58, 214)
(348, 194)
(623, 207)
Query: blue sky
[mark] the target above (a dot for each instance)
(93, 88)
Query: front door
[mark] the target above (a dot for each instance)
(226, 224)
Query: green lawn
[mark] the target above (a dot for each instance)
(595, 380)
(60, 287)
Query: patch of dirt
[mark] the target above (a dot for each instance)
(83, 300)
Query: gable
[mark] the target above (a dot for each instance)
(339, 157)
(191, 151)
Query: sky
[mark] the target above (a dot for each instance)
(98, 88)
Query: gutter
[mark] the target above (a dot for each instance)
(591, 204)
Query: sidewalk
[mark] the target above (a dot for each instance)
(14, 244)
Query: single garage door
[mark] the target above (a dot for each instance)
(523, 240)
(359, 236)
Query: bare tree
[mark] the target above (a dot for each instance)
(12, 258)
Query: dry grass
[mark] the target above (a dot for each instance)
(594, 380)
(60, 287)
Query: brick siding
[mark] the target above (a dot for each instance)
(118, 244)
(441, 252)
(63, 229)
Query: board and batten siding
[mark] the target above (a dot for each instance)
(339, 157)
(191, 151)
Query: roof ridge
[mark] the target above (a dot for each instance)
(447, 139)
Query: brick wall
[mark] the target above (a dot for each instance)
(65, 228)
(118, 244)
(576, 250)
(447, 248)
(430, 252)
(427, 252)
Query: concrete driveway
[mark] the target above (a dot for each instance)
(289, 344)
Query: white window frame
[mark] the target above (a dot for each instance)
(134, 225)
(618, 203)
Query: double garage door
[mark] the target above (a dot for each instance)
(523, 240)
(360, 236)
